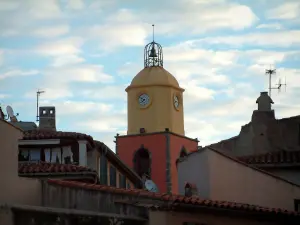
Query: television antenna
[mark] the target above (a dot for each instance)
(38, 93)
(272, 72)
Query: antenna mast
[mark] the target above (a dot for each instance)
(38, 93)
(272, 72)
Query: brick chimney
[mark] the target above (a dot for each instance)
(47, 118)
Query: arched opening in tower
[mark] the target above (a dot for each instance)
(142, 163)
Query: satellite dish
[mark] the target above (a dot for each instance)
(10, 111)
(151, 186)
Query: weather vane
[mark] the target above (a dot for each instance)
(272, 72)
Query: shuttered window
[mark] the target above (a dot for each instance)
(113, 176)
(103, 170)
(122, 181)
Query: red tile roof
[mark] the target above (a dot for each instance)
(196, 201)
(273, 158)
(55, 169)
(42, 134)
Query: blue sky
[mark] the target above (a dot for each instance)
(85, 53)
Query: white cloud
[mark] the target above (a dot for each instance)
(49, 9)
(15, 73)
(264, 57)
(276, 26)
(65, 60)
(278, 39)
(1, 56)
(82, 73)
(2, 96)
(66, 46)
(53, 31)
(285, 11)
(187, 52)
(112, 92)
(197, 17)
(66, 108)
(75, 4)
(7, 5)
(105, 123)
(60, 92)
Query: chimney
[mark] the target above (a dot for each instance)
(264, 102)
(47, 118)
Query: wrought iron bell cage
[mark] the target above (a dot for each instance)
(153, 55)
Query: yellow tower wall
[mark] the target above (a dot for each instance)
(159, 114)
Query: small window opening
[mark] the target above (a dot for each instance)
(142, 162)
(44, 112)
(51, 111)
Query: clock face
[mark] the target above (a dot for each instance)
(176, 101)
(144, 99)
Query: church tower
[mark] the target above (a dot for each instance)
(155, 100)
(155, 136)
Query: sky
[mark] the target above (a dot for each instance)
(84, 54)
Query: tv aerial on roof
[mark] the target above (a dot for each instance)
(151, 186)
(38, 93)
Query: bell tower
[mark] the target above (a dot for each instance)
(155, 99)
(155, 134)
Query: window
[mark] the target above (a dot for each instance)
(112, 176)
(51, 111)
(122, 181)
(47, 155)
(297, 205)
(56, 155)
(35, 155)
(23, 155)
(103, 170)
(128, 186)
(142, 162)
(44, 112)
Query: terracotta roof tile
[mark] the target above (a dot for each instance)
(196, 201)
(55, 169)
(42, 134)
(273, 158)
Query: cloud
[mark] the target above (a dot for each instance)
(112, 92)
(1, 56)
(278, 39)
(8, 5)
(65, 60)
(121, 29)
(51, 32)
(75, 4)
(105, 123)
(2, 96)
(66, 46)
(78, 73)
(15, 73)
(285, 11)
(184, 15)
(275, 26)
(43, 10)
(50, 93)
